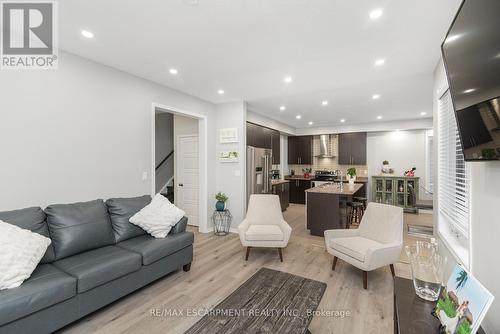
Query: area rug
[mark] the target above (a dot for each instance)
(271, 301)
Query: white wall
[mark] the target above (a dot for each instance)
(403, 150)
(484, 217)
(231, 176)
(82, 132)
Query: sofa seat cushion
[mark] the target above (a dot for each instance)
(79, 227)
(153, 249)
(99, 266)
(355, 247)
(46, 286)
(264, 233)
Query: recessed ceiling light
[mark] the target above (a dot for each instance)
(282, 108)
(310, 123)
(453, 38)
(376, 96)
(470, 90)
(298, 117)
(423, 113)
(324, 103)
(376, 13)
(342, 120)
(220, 92)
(173, 71)
(379, 117)
(379, 62)
(87, 34)
(287, 79)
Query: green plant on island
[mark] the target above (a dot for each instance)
(351, 172)
(221, 197)
(385, 162)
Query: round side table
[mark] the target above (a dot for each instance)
(222, 222)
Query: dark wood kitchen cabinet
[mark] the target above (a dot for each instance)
(298, 191)
(352, 148)
(300, 150)
(283, 191)
(262, 137)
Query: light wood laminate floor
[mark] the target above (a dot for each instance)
(219, 268)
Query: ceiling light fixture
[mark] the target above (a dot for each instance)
(379, 62)
(376, 13)
(298, 117)
(220, 92)
(342, 120)
(287, 79)
(324, 103)
(282, 108)
(379, 117)
(87, 34)
(423, 113)
(173, 71)
(310, 123)
(376, 96)
(470, 90)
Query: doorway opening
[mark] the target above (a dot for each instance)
(179, 162)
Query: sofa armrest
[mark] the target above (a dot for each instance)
(180, 226)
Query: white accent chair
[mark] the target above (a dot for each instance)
(264, 225)
(376, 243)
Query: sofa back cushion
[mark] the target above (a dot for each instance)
(79, 227)
(32, 219)
(120, 210)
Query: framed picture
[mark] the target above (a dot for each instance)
(228, 135)
(462, 303)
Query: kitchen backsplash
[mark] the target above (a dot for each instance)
(328, 163)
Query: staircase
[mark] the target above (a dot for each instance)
(169, 194)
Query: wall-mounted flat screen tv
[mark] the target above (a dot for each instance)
(471, 53)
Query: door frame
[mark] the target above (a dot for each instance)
(176, 170)
(202, 161)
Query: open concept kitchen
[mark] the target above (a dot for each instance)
(332, 176)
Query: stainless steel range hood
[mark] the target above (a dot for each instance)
(325, 147)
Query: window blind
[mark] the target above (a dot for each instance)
(453, 181)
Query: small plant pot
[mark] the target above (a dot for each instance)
(220, 206)
(352, 179)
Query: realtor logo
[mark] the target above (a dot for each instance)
(29, 35)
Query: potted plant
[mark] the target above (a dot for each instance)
(385, 166)
(221, 201)
(351, 174)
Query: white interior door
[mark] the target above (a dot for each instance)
(187, 182)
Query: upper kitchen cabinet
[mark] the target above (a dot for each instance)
(300, 150)
(262, 137)
(352, 148)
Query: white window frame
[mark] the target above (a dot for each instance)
(453, 180)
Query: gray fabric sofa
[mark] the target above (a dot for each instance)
(95, 258)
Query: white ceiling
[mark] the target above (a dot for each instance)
(247, 47)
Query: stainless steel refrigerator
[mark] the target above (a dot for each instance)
(259, 166)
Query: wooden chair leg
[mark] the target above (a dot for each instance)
(334, 263)
(392, 270)
(248, 252)
(365, 280)
(281, 254)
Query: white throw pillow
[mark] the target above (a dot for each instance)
(20, 252)
(158, 217)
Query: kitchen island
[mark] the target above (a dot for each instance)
(323, 209)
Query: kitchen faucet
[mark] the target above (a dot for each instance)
(341, 184)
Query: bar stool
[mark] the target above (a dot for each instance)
(356, 213)
(363, 200)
